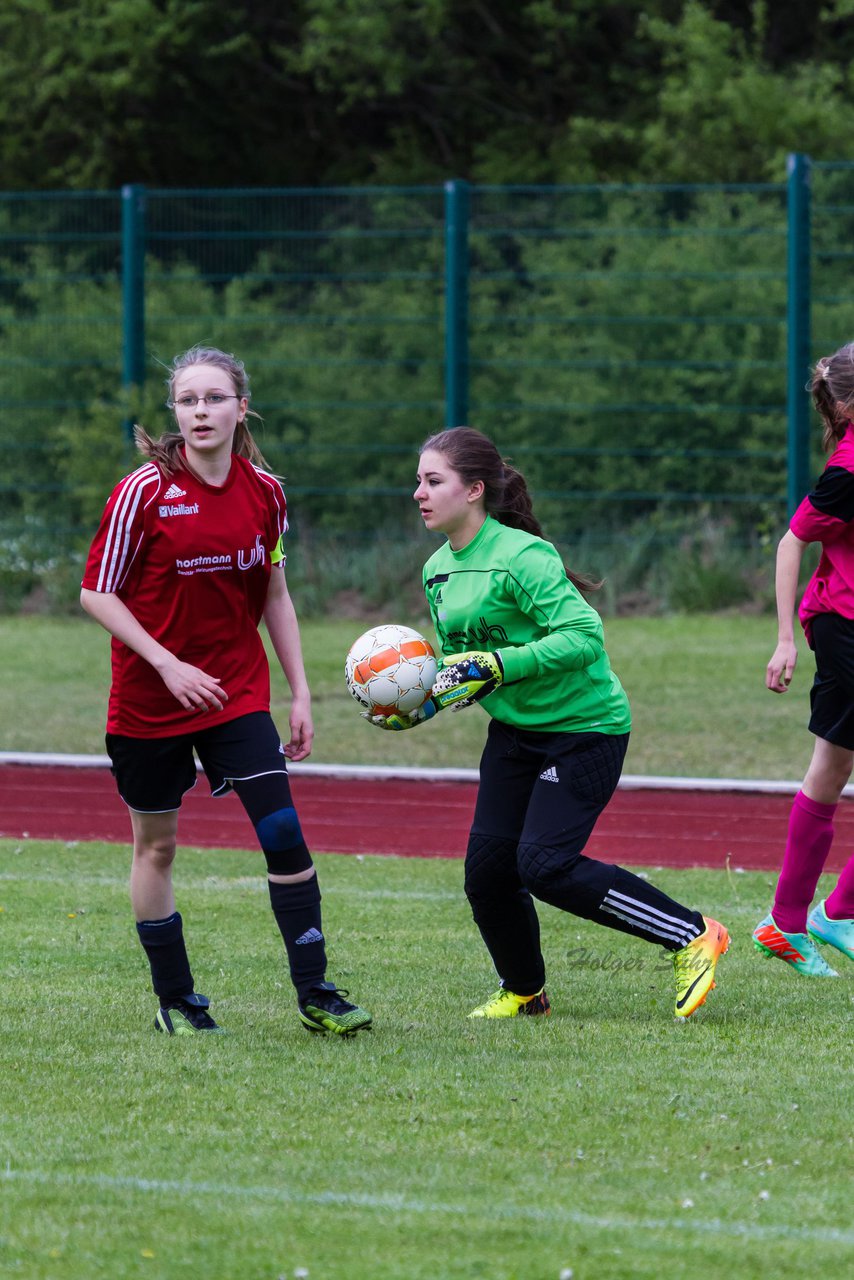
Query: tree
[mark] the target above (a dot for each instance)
(95, 93)
(725, 114)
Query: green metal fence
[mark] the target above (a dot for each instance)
(641, 351)
(632, 338)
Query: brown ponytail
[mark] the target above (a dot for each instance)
(832, 390)
(474, 457)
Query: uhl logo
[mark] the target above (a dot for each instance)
(248, 560)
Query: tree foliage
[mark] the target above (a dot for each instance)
(200, 93)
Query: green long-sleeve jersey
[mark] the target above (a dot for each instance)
(508, 591)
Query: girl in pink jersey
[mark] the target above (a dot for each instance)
(185, 564)
(826, 612)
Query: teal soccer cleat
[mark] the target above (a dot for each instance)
(796, 949)
(834, 933)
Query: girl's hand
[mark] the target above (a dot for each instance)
(465, 678)
(404, 720)
(302, 730)
(194, 689)
(779, 672)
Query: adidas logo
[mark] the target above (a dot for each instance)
(174, 492)
(549, 775)
(438, 599)
(311, 935)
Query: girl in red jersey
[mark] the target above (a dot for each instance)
(826, 613)
(186, 562)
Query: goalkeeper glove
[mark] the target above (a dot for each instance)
(402, 719)
(466, 678)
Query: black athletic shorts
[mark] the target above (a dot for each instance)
(832, 693)
(152, 774)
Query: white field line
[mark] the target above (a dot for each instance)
(394, 1202)
(628, 782)
(220, 884)
(258, 884)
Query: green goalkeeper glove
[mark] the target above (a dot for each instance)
(466, 678)
(402, 719)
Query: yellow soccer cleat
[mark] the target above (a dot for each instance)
(506, 1004)
(694, 967)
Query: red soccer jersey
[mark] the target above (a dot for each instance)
(192, 563)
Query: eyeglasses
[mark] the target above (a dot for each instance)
(190, 402)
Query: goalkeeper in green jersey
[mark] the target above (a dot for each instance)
(517, 635)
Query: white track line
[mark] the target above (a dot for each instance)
(378, 773)
(397, 1203)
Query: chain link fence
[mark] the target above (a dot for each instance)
(629, 346)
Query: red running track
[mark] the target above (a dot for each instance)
(426, 819)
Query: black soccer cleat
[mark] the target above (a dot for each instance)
(325, 1009)
(185, 1016)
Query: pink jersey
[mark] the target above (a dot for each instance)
(192, 563)
(826, 515)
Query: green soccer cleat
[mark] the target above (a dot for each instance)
(325, 1009)
(506, 1004)
(835, 933)
(185, 1016)
(797, 949)
(694, 967)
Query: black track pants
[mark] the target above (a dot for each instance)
(539, 798)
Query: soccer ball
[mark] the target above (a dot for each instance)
(390, 668)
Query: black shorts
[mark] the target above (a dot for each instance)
(832, 693)
(152, 774)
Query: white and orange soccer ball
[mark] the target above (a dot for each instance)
(390, 668)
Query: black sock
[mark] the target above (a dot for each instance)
(163, 941)
(296, 907)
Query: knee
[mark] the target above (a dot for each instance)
(539, 866)
(281, 839)
(490, 867)
(157, 853)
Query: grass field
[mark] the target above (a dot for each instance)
(696, 686)
(609, 1139)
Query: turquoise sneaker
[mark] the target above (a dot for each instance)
(835, 933)
(796, 949)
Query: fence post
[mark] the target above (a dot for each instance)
(456, 302)
(133, 294)
(799, 337)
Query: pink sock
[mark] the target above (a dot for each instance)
(840, 903)
(807, 847)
